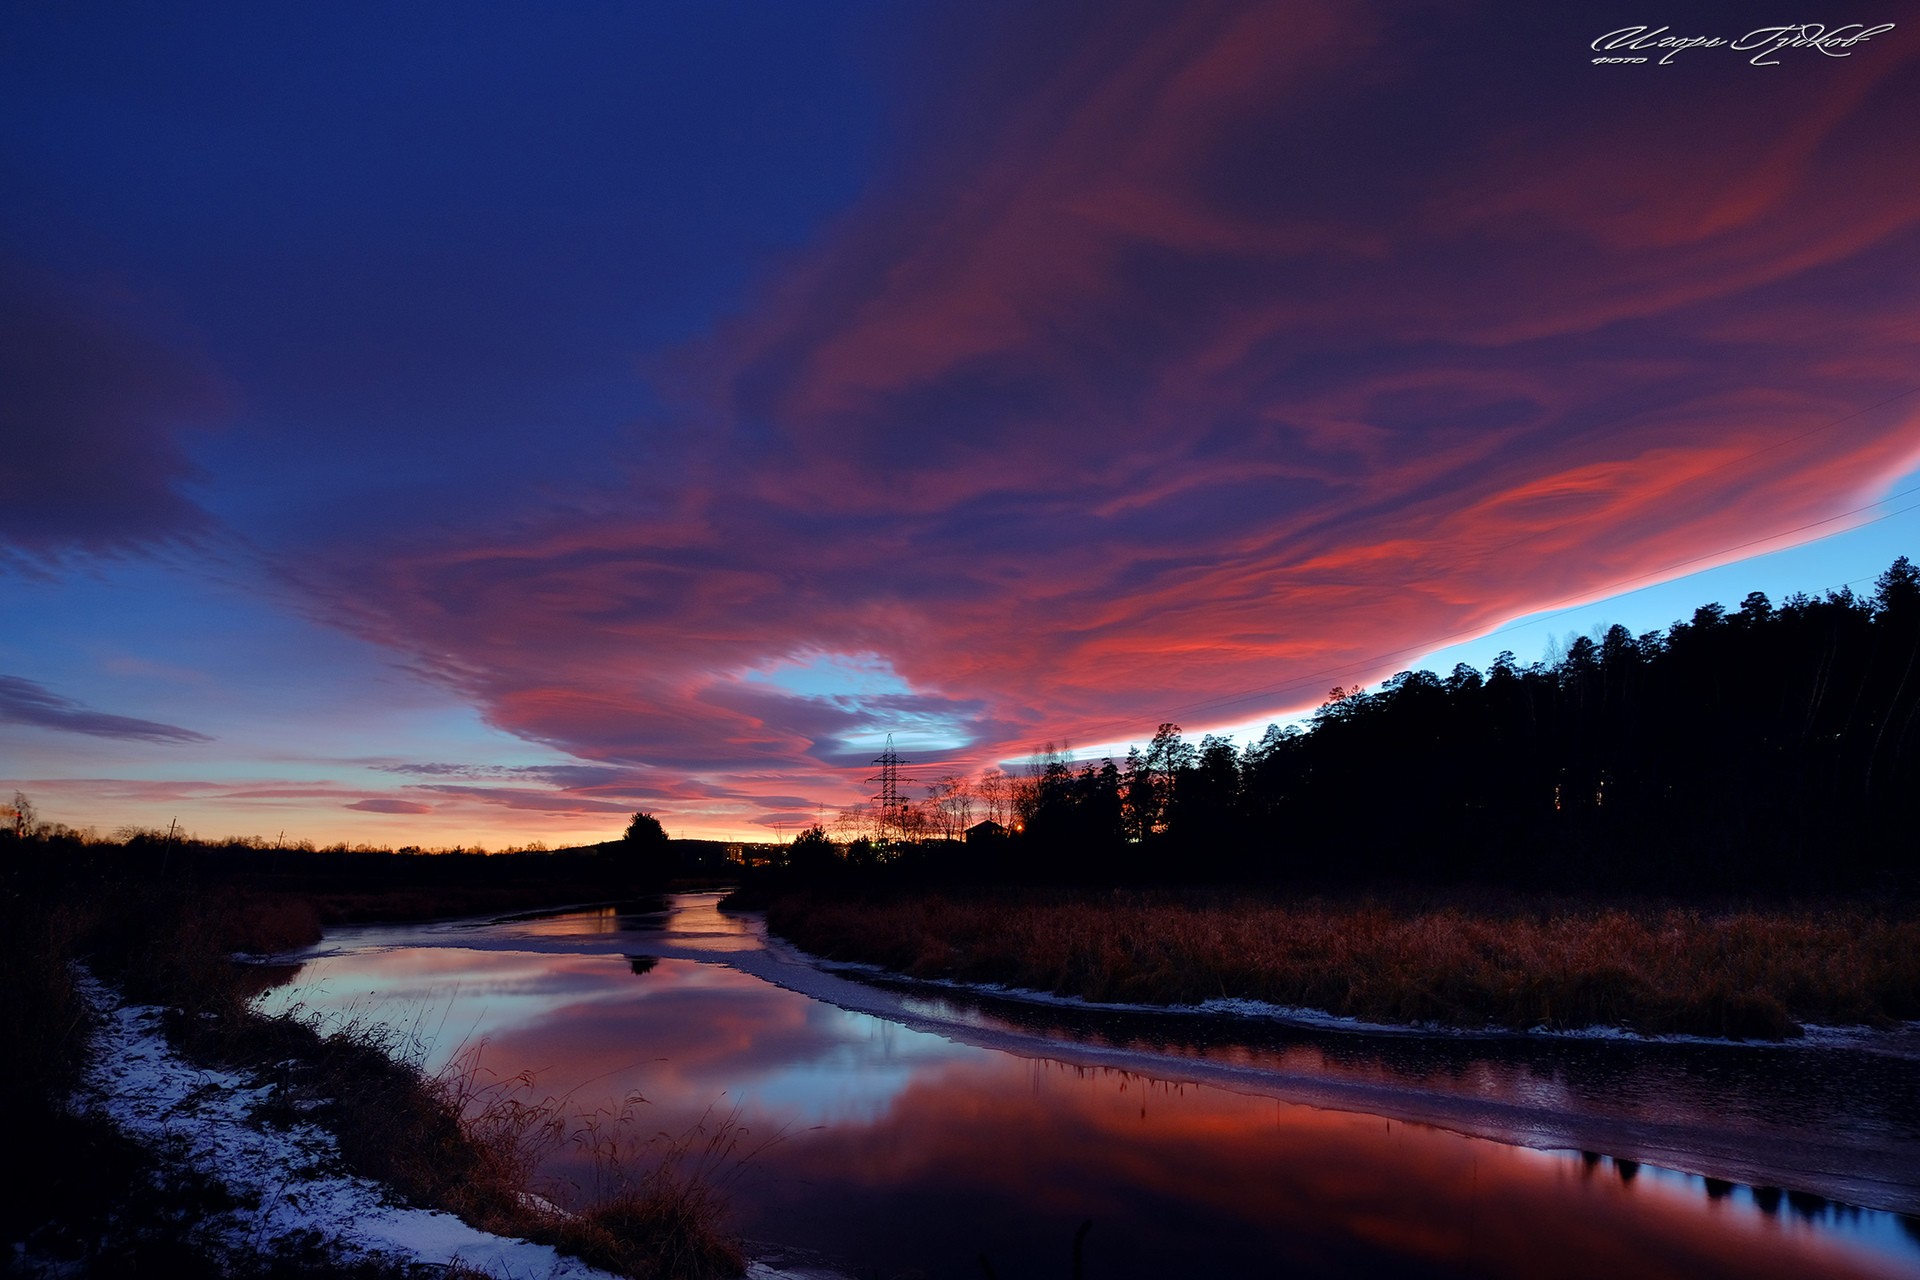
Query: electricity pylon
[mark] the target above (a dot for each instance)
(887, 800)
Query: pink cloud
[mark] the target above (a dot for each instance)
(1217, 349)
(388, 805)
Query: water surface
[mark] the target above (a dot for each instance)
(905, 1129)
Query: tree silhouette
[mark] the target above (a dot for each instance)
(1896, 593)
(646, 854)
(645, 832)
(813, 851)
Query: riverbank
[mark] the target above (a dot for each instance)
(261, 1177)
(176, 1130)
(1513, 962)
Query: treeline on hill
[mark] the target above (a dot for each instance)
(1773, 747)
(341, 883)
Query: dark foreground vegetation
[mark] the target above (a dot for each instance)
(1514, 961)
(161, 922)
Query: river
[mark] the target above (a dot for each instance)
(902, 1129)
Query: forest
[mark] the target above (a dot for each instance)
(1769, 747)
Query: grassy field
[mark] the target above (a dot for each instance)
(1512, 962)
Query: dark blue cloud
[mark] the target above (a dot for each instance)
(90, 417)
(27, 702)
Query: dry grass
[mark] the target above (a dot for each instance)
(656, 1200)
(266, 923)
(664, 1227)
(473, 1145)
(1742, 973)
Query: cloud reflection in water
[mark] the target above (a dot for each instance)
(902, 1149)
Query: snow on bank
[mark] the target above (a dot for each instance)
(291, 1191)
(1901, 1040)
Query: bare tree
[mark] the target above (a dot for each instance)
(951, 799)
(915, 822)
(995, 790)
(855, 822)
(22, 816)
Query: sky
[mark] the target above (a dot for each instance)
(454, 424)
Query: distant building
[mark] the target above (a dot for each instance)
(988, 830)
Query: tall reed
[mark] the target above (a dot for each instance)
(1658, 969)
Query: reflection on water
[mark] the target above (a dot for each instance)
(573, 924)
(898, 1149)
(1834, 1095)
